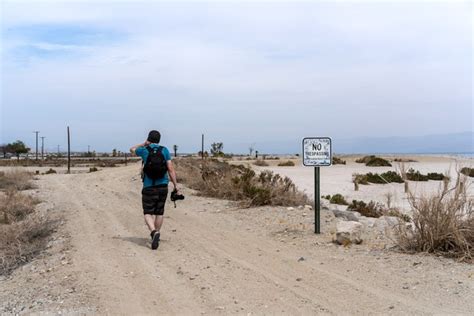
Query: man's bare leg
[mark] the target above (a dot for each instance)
(158, 222)
(150, 221)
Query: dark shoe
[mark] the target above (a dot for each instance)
(155, 241)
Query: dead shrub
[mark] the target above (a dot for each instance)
(221, 180)
(442, 223)
(261, 163)
(16, 179)
(50, 171)
(287, 163)
(21, 241)
(15, 206)
(22, 231)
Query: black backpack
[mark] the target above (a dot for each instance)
(155, 166)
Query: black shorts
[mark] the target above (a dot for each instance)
(154, 199)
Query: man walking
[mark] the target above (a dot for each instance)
(157, 166)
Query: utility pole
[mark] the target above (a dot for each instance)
(42, 147)
(36, 132)
(88, 149)
(202, 147)
(58, 151)
(68, 151)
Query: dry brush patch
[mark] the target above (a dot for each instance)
(443, 223)
(23, 231)
(15, 179)
(239, 183)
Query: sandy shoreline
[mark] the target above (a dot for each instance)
(338, 178)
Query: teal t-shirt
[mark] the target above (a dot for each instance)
(143, 153)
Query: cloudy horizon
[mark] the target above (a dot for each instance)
(239, 72)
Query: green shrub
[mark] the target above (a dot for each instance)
(386, 177)
(435, 176)
(374, 161)
(378, 162)
(338, 161)
(93, 169)
(370, 209)
(360, 178)
(50, 171)
(468, 171)
(287, 163)
(413, 175)
(391, 176)
(395, 212)
(338, 199)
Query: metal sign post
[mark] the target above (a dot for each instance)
(317, 152)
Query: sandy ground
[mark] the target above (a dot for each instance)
(215, 259)
(338, 179)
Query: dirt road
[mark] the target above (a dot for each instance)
(217, 259)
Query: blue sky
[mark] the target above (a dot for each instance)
(240, 72)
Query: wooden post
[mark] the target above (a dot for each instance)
(68, 151)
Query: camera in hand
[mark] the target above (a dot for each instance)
(175, 197)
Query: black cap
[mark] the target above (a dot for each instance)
(154, 137)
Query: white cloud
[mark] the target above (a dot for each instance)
(250, 70)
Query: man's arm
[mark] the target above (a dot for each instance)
(133, 149)
(172, 174)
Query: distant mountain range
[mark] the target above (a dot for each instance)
(441, 143)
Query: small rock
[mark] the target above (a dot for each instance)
(347, 215)
(301, 259)
(348, 232)
(299, 279)
(308, 207)
(290, 208)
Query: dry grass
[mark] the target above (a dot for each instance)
(287, 163)
(15, 206)
(22, 230)
(222, 180)
(21, 241)
(261, 163)
(16, 180)
(443, 223)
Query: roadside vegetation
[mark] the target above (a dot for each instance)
(443, 223)
(336, 199)
(413, 175)
(23, 231)
(468, 171)
(219, 179)
(287, 163)
(374, 161)
(338, 161)
(386, 177)
(260, 163)
(376, 210)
